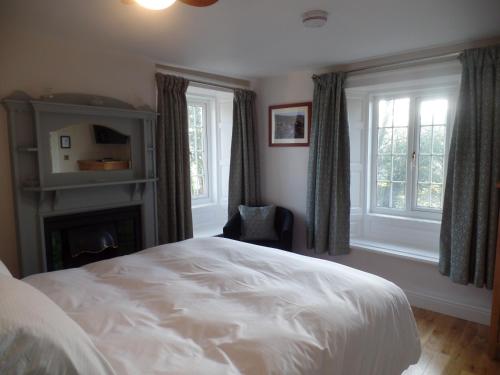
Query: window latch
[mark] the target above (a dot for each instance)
(414, 158)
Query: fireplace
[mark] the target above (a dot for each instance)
(78, 239)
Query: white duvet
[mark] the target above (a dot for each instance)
(216, 306)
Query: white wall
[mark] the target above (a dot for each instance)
(34, 63)
(284, 183)
(284, 169)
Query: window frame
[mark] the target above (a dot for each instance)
(449, 128)
(416, 96)
(207, 104)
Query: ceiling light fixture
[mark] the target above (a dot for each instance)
(163, 4)
(155, 4)
(315, 18)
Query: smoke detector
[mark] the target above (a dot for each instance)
(315, 18)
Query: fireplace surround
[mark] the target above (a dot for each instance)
(44, 198)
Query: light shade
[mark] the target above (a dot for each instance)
(155, 4)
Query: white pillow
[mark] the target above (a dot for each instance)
(38, 337)
(4, 270)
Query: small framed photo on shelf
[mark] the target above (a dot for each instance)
(290, 125)
(65, 141)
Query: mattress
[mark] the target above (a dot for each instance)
(217, 306)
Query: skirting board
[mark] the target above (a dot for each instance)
(444, 306)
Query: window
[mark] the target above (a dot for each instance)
(198, 145)
(409, 149)
(392, 152)
(210, 118)
(400, 125)
(432, 123)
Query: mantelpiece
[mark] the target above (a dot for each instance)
(40, 192)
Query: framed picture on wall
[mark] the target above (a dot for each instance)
(65, 141)
(290, 125)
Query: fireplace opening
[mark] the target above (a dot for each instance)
(78, 239)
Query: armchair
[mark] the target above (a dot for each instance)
(283, 224)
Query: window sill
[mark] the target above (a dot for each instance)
(418, 255)
(404, 218)
(196, 205)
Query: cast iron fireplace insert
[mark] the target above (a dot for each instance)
(78, 239)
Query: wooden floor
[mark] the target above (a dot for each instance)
(451, 346)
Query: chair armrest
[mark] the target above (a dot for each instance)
(286, 232)
(232, 229)
(287, 224)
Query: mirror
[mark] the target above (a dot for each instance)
(89, 147)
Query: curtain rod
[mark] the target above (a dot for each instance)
(206, 79)
(436, 54)
(403, 63)
(202, 83)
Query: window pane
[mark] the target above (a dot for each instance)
(440, 111)
(437, 169)
(201, 166)
(426, 113)
(401, 111)
(425, 140)
(191, 142)
(439, 140)
(197, 146)
(398, 195)
(384, 141)
(197, 185)
(199, 139)
(434, 112)
(383, 194)
(399, 168)
(436, 196)
(384, 167)
(199, 116)
(424, 168)
(423, 195)
(385, 113)
(392, 152)
(201, 183)
(400, 141)
(191, 114)
(432, 147)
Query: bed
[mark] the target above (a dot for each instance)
(218, 306)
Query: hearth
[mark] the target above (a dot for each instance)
(78, 239)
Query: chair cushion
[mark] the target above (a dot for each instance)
(257, 223)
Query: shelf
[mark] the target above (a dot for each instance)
(27, 149)
(85, 186)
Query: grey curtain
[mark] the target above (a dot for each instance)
(470, 209)
(244, 183)
(172, 161)
(328, 196)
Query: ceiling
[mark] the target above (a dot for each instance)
(253, 38)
